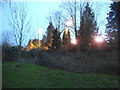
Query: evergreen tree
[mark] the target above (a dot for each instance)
(69, 39)
(66, 37)
(29, 45)
(56, 40)
(44, 39)
(36, 43)
(50, 33)
(88, 26)
(112, 25)
(63, 40)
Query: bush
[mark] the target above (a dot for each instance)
(6, 53)
(97, 61)
(68, 48)
(9, 53)
(35, 52)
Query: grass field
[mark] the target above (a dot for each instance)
(35, 76)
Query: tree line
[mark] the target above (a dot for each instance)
(86, 28)
(84, 23)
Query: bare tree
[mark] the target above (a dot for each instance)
(74, 11)
(71, 8)
(57, 19)
(56, 22)
(19, 22)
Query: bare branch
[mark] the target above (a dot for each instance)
(19, 22)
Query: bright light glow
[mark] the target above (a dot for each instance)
(69, 23)
(40, 31)
(73, 41)
(99, 39)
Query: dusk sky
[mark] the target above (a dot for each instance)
(40, 10)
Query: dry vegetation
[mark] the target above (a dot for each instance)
(92, 61)
(98, 61)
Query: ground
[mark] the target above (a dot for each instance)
(60, 68)
(36, 76)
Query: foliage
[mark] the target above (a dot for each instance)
(30, 45)
(35, 53)
(50, 33)
(56, 42)
(35, 43)
(88, 27)
(68, 48)
(9, 53)
(112, 25)
(66, 37)
(34, 76)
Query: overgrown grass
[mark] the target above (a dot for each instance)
(35, 76)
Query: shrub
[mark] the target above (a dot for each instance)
(9, 53)
(36, 52)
